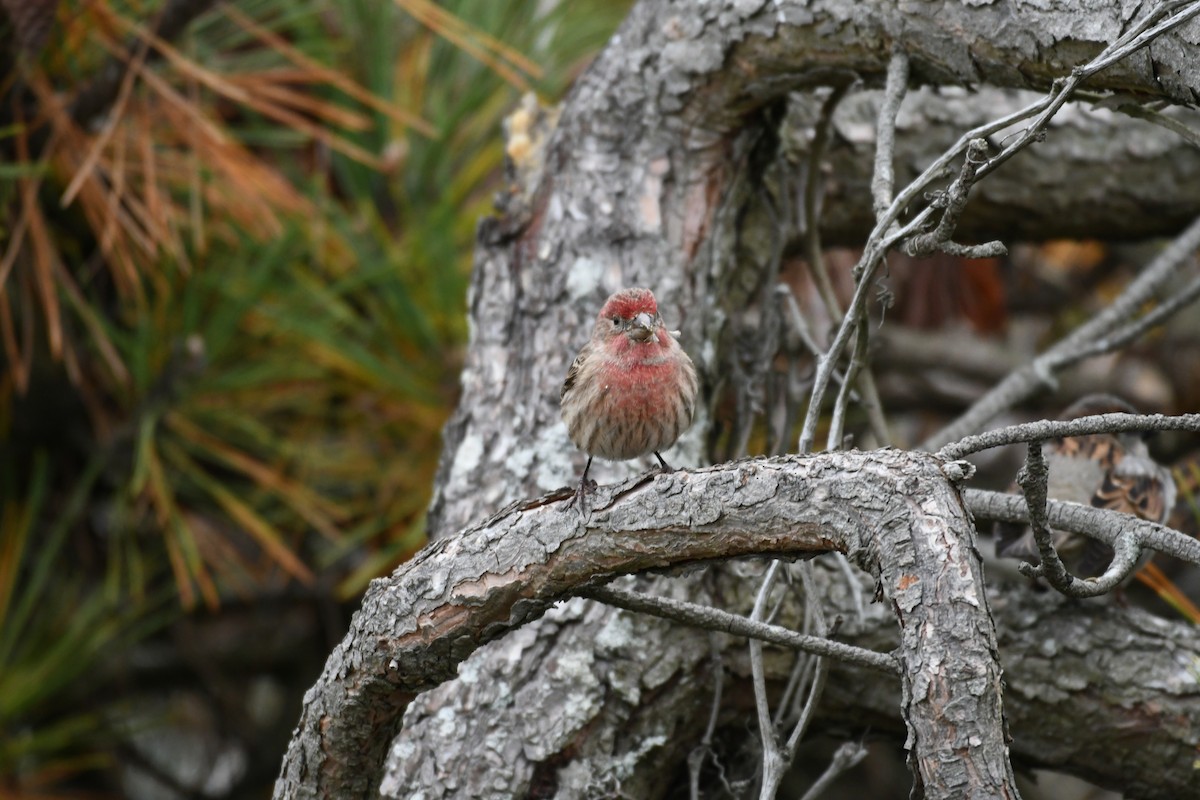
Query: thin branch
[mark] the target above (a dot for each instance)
(882, 236)
(1156, 117)
(772, 757)
(810, 707)
(1126, 557)
(954, 200)
(1127, 44)
(1054, 429)
(1033, 479)
(714, 619)
(813, 194)
(845, 758)
(871, 258)
(858, 358)
(797, 678)
(1134, 329)
(881, 189)
(894, 90)
(1096, 523)
(812, 602)
(701, 751)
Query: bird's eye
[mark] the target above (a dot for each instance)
(616, 320)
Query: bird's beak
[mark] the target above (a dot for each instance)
(641, 328)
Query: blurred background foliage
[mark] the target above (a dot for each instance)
(233, 266)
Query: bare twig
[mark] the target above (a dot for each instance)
(1126, 557)
(846, 757)
(702, 750)
(812, 197)
(812, 603)
(856, 592)
(772, 757)
(797, 678)
(954, 201)
(1137, 37)
(1133, 330)
(813, 194)
(1033, 479)
(1134, 109)
(895, 88)
(1027, 379)
(715, 619)
(1081, 426)
(870, 259)
(1096, 523)
(858, 359)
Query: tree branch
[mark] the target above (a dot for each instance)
(459, 593)
(636, 191)
(1081, 426)
(1096, 523)
(714, 619)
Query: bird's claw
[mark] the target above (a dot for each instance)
(585, 488)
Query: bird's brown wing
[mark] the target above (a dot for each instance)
(573, 373)
(1102, 448)
(1139, 495)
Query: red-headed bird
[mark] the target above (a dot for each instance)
(632, 390)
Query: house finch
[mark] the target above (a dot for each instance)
(1104, 470)
(631, 391)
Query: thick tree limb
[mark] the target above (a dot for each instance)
(1097, 175)
(415, 628)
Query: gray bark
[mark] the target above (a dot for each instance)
(1098, 174)
(651, 178)
(415, 628)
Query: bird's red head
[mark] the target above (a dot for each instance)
(628, 303)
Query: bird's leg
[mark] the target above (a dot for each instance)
(663, 464)
(585, 486)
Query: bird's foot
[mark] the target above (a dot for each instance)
(579, 499)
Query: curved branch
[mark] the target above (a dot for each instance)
(1082, 680)
(459, 593)
(1080, 426)
(1096, 523)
